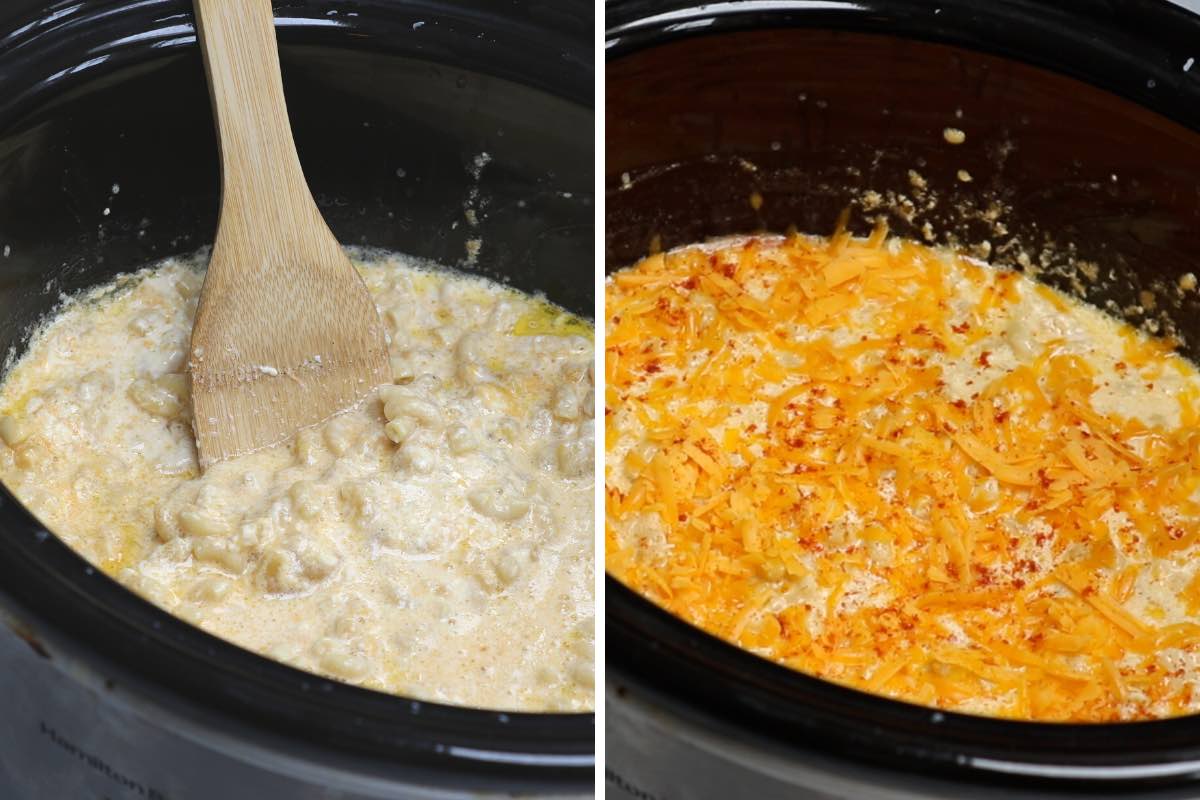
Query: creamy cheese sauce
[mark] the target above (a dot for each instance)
(899, 469)
(434, 542)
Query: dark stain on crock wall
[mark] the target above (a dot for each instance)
(26, 634)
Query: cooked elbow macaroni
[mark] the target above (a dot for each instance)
(896, 468)
(434, 542)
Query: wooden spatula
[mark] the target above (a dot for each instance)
(286, 334)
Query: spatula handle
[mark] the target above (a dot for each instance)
(261, 175)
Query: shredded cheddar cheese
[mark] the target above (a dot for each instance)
(895, 468)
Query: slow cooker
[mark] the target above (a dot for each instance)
(108, 160)
(1081, 147)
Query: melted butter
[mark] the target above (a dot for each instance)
(129, 551)
(548, 320)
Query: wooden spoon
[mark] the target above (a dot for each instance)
(286, 334)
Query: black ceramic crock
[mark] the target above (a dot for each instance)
(108, 161)
(1081, 123)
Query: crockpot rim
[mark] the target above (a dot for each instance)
(38, 37)
(46, 583)
(685, 669)
(1147, 36)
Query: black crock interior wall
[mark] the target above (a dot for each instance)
(693, 89)
(811, 119)
(108, 92)
(387, 136)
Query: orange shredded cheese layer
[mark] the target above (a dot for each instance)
(788, 470)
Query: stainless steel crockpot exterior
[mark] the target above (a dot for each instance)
(1081, 122)
(102, 695)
